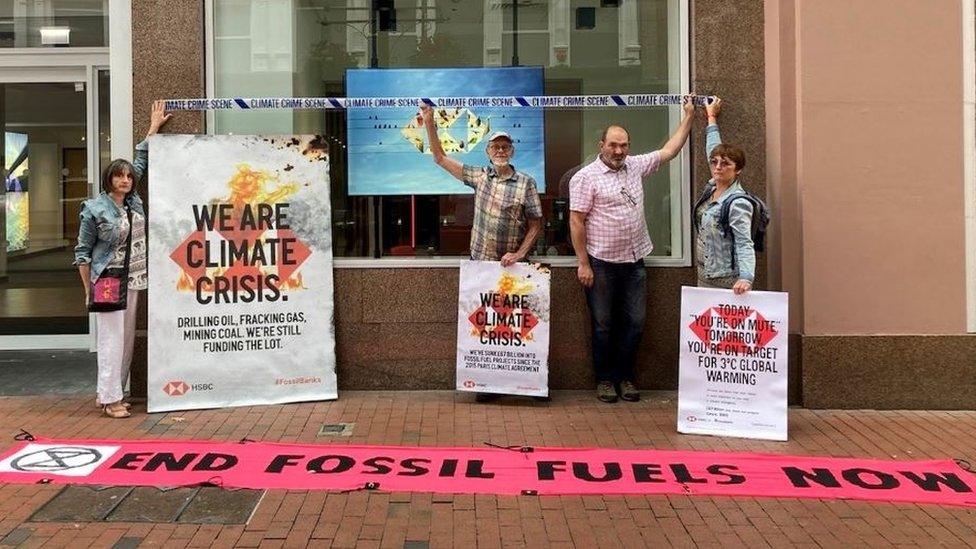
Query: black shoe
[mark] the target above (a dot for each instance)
(485, 397)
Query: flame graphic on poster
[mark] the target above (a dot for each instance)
(506, 311)
(248, 190)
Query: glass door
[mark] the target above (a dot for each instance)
(55, 136)
(45, 133)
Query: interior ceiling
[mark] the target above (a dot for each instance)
(43, 104)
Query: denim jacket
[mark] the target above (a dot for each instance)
(716, 248)
(101, 220)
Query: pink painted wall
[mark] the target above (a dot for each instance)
(877, 178)
(786, 234)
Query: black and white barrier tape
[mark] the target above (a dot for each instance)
(514, 101)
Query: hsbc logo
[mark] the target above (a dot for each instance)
(176, 388)
(468, 384)
(180, 388)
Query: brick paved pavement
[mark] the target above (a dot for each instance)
(365, 519)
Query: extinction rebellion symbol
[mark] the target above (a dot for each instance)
(52, 460)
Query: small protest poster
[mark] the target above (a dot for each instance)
(503, 328)
(240, 271)
(732, 378)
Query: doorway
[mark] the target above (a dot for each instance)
(54, 127)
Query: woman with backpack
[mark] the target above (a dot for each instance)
(111, 259)
(726, 253)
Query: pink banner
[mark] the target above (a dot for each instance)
(543, 471)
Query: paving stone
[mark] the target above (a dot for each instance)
(127, 543)
(48, 372)
(148, 504)
(220, 506)
(16, 537)
(81, 504)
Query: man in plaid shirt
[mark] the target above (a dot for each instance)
(507, 209)
(609, 233)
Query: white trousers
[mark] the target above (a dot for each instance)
(116, 337)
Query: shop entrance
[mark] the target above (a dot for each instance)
(55, 137)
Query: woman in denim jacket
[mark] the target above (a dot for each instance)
(724, 261)
(103, 239)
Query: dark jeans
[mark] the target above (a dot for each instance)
(618, 303)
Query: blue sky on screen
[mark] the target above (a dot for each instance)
(383, 162)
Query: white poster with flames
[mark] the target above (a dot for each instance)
(240, 271)
(732, 378)
(503, 328)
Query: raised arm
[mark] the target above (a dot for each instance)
(158, 117)
(680, 135)
(452, 166)
(712, 136)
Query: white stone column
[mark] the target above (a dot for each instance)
(120, 76)
(357, 46)
(629, 33)
(560, 21)
(426, 19)
(493, 33)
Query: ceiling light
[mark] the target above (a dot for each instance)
(55, 36)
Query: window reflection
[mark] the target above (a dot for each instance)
(303, 48)
(45, 163)
(53, 23)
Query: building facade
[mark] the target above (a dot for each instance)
(856, 122)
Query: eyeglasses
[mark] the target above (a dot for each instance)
(501, 148)
(721, 163)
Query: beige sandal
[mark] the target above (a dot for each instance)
(116, 410)
(98, 404)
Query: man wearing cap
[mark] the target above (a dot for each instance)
(507, 209)
(609, 233)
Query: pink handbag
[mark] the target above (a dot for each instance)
(109, 292)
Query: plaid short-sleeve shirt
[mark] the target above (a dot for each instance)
(613, 201)
(501, 208)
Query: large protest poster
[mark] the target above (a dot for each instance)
(240, 263)
(503, 328)
(388, 150)
(732, 378)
